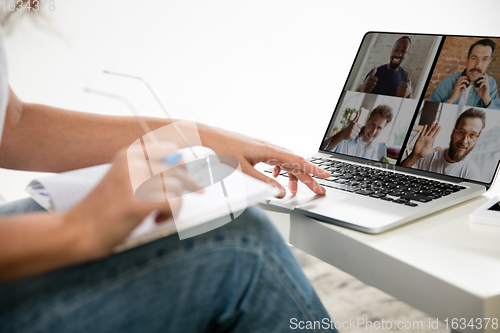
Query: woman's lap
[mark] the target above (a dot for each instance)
(240, 277)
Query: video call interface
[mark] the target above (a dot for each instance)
(422, 101)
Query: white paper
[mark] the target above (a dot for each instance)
(198, 213)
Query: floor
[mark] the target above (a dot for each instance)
(348, 299)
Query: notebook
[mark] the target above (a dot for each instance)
(416, 130)
(198, 213)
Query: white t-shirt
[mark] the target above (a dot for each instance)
(4, 86)
(437, 163)
(465, 96)
(356, 147)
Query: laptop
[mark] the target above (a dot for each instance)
(416, 130)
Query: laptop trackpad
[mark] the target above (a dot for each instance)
(308, 200)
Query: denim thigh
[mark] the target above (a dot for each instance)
(241, 277)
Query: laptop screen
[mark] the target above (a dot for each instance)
(427, 102)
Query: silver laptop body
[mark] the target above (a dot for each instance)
(366, 208)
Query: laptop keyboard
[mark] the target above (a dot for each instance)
(381, 184)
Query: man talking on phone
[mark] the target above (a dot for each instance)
(472, 87)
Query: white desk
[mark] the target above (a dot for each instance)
(441, 264)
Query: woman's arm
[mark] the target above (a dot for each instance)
(39, 242)
(43, 138)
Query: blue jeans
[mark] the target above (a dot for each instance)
(241, 277)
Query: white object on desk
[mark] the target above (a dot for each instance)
(486, 214)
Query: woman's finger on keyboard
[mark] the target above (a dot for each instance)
(292, 183)
(276, 171)
(308, 181)
(289, 161)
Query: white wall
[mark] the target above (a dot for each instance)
(268, 68)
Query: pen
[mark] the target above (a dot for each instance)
(172, 159)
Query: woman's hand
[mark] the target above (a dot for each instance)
(250, 151)
(39, 242)
(111, 211)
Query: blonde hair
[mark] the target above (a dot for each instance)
(385, 111)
